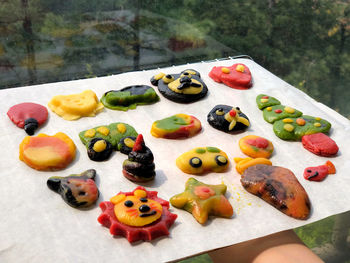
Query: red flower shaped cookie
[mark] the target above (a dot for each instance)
(28, 116)
(45, 152)
(320, 144)
(237, 76)
(256, 146)
(137, 215)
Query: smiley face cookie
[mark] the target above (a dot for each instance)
(256, 146)
(202, 200)
(202, 160)
(77, 190)
(185, 87)
(137, 215)
(129, 97)
(237, 76)
(176, 126)
(228, 119)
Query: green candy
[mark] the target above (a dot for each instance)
(270, 115)
(271, 101)
(116, 132)
(129, 97)
(296, 132)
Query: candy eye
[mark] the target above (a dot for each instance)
(220, 160)
(196, 162)
(143, 200)
(220, 111)
(168, 78)
(128, 203)
(238, 110)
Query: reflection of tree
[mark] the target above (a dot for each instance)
(29, 39)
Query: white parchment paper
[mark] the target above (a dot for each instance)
(38, 226)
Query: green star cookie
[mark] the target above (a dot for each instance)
(295, 128)
(279, 112)
(264, 101)
(203, 200)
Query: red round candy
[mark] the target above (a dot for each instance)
(278, 111)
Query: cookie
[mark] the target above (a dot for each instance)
(237, 76)
(228, 119)
(185, 87)
(176, 126)
(319, 173)
(77, 190)
(203, 160)
(113, 133)
(129, 97)
(256, 146)
(28, 116)
(139, 167)
(279, 112)
(45, 153)
(99, 149)
(295, 128)
(137, 215)
(320, 144)
(203, 200)
(75, 106)
(243, 163)
(279, 187)
(263, 101)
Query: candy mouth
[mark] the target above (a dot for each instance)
(149, 214)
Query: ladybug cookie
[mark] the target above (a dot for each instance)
(28, 116)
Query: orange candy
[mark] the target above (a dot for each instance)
(45, 152)
(256, 147)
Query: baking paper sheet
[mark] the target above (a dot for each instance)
(38, 226)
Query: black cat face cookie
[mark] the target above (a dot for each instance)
(228, 119)
(185, 87)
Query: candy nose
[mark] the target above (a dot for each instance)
(144, 208)
(232, 113)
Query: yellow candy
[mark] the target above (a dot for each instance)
(287, 120)
(90, 133)
(269, 108)
(121, 128)
(140, 193)
(159, 76)
(240, 68)
(289, 110)
(265, 100)
(317, 124)
(75, 106)
(288, 127)
(103, 130)
(129, 142)
(99, 146)
(225, 70)
(317, 118)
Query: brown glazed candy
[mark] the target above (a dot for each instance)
(279, 187)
